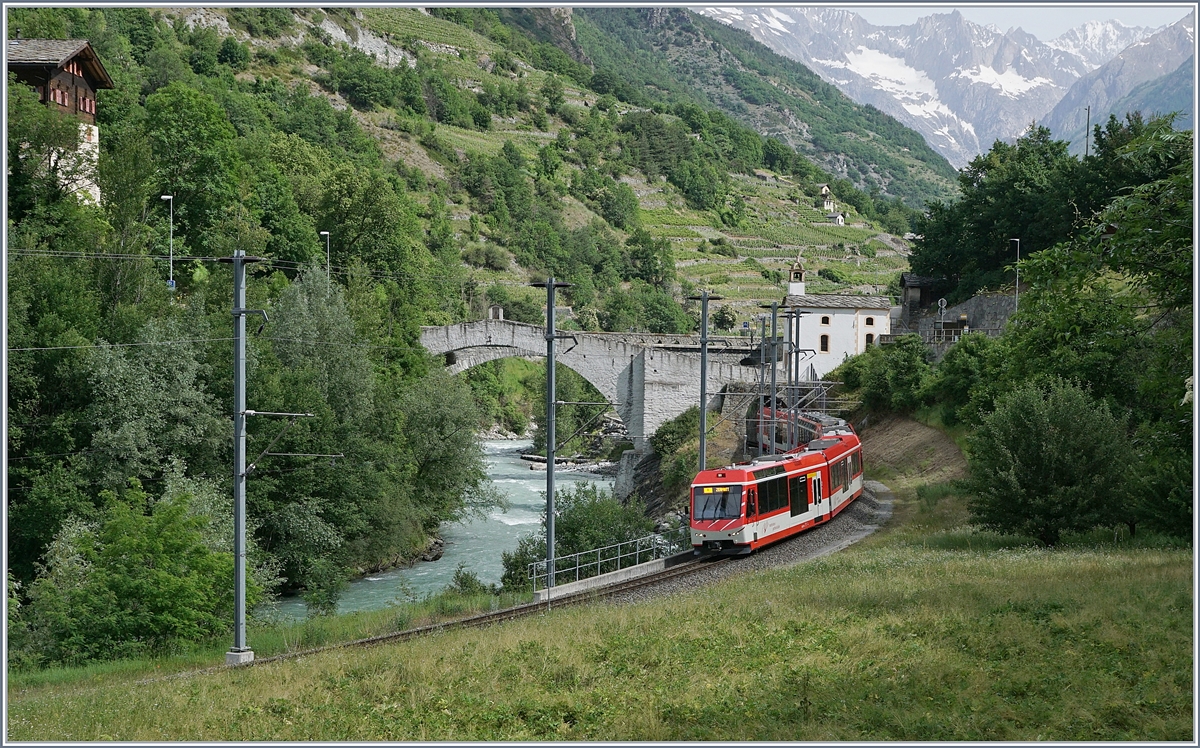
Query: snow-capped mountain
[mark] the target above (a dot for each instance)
(1097, 42)
(961, 85)
(1149, 59)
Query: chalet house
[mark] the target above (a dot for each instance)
(837, 219)
(835, 326)
(825, 191)
(66, 74)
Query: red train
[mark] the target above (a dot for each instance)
(741, 508)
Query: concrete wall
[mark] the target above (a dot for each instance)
(984, 312)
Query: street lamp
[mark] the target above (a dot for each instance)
(326, 235)
(1017, 287)
(171, 241)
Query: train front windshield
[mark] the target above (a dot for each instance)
(716, 502)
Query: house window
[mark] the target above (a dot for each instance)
(870, 338)
(824, 320)
(871, 321)
(824, 344)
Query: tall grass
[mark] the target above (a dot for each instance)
(891, 642)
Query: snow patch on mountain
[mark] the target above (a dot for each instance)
(1010, 83)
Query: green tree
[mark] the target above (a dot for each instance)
(190, 135)
(724, 318)
(586, 517)
(1042, 464)
(1012, 191)
(139, 580)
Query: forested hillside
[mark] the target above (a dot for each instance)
(1080, 413)
(674, 55)
(462, 157)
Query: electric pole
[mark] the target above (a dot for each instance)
(551, 407)
(239, 654)
(774, 307)
(704, 298)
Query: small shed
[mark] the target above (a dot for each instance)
(837, 219)
(917, 291)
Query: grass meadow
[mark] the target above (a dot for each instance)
(928, 630)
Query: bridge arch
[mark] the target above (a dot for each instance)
(648, 385)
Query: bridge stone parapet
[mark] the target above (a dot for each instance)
(649, 379)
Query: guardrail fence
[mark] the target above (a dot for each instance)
(587, 564)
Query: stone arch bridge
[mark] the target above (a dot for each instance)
(648, 378)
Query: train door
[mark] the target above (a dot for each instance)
(818, 497)
(752, 508)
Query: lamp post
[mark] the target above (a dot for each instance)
(326, 235)
(1017, 285)
(170, 241)
(704, 298)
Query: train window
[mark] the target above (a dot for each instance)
(772, 495)
(717, 502)
(798, 488)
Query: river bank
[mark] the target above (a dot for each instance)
(476, 544)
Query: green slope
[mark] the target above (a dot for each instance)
(674, 55)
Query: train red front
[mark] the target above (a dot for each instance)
(740, 508)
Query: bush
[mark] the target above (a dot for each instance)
(586, 517)
(1045, 463)
(138, 580)
(892, 376)
(468, 584)
(832, 274)
(487, 256)
(676, 432)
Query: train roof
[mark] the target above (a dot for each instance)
(745, 470)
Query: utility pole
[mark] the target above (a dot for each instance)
(774, 307)
(704, 298)
(1087, 132)
(326, 235)
(170, 241)
(1017, 285)
(551, 407)
(239, 654)
(762, 348)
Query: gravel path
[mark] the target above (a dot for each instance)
(866, 515)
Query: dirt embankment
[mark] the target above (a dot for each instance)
(905, 447)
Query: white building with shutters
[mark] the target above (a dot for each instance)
(834, 326)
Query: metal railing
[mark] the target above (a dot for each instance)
(593, 563)
(934, 337)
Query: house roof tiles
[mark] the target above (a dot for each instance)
(56, 53)
(837, 301)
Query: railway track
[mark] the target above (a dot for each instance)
(842, 531)
(519, 611)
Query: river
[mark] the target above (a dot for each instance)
(476, 543)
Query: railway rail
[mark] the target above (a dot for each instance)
(519, 611)
(840, 532)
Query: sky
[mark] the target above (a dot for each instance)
(1042, 20)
